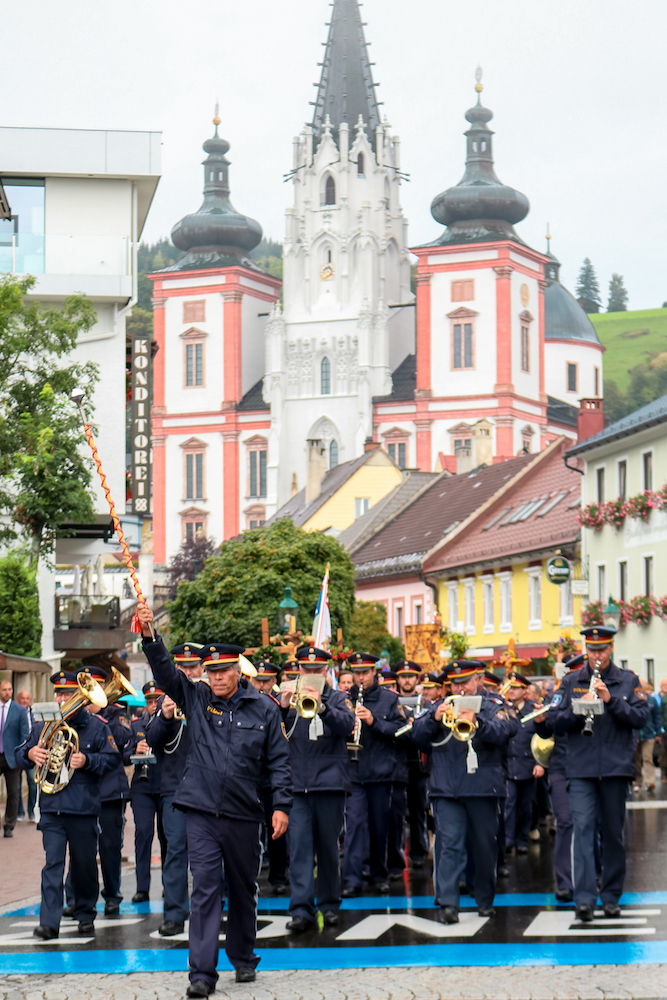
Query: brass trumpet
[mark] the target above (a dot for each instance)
(61, 741)
(462, 729)
(306, 705)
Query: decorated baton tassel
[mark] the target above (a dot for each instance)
(78, 396)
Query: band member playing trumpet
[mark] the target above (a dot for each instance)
(71, 816)
(372, 772)
(320, 772)
(408, 674)
(599, 766)
(465, 784)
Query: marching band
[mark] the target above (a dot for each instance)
(391, 766)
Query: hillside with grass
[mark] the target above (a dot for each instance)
(635, 359)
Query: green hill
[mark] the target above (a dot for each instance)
(630, 339)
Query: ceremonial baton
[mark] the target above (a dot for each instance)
(78, 396)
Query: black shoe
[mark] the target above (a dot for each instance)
(279, 889)
(68, 911)
(611, 909)
(509, 849)
(463, 889)
(503, 871)
(298, 925)
(381, 886)
(331, 919)
(171, 927)
(565, 897)
(351, 890)
(395, 876)
(449, 914)
(8, 832)
(142, 897)
(584, 913)
(245, 975)
(111, 908)
(416, 862)
(522, 849)
(486, 911)
(86, 927)
(200, 989)
(45, 932)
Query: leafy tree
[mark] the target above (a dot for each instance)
(246, 582)
(615, 402)
(189, 561)
(153, 257)
(45, 478)
(618, 296)
(267, 248)
(140, 322)
(369, 634)
(20, 623)
(588, 290)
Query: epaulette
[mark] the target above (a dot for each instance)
(102, 719)
(274, 700)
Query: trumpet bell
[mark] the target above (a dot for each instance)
(542, 749)
(117, 687)
(463, 730)
(248, 669)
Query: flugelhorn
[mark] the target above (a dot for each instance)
(307, 705)
(462, 729)
(60, 740)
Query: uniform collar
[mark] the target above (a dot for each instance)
(613, 673)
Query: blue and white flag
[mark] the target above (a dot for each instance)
(322, 623)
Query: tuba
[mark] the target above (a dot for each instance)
(117, 687)
(61, 741)
(462, 729)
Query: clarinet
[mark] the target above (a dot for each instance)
(590, 719)
(355, 745)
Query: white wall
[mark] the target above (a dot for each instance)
(481, 379)
(88, 225)
(586, 356)
(404, 593)
(194, 399)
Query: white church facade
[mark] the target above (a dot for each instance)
(491, 356)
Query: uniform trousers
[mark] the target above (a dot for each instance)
(315, 822)
(454, 818)
(112, 823)
(12, 783)
(366, 810)
(519, 811)
(560, 803)
(417, 811)
(396, 840)
(277, 850)
(79, 832)
(175, 867)
(598, 802)
(146, 809)
(212, 841)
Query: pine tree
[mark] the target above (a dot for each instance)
(588, 290)
(20, 623)
(618, 296)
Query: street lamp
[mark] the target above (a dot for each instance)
(384, 658)
(612, 614)
(287, 609)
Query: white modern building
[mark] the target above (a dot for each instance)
(79, 201)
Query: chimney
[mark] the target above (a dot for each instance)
(482, 444)
(463, 459)
(370, 444)
(590, 419)
(295, 488)
(315, 468)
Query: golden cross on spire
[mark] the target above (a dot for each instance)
(216, 120)
(478, 76)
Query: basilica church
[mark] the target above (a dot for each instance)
(488, 357)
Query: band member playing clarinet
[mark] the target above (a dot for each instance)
(599, 764)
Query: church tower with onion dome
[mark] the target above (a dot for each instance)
(346, 322)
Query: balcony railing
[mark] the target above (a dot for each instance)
(89, 612)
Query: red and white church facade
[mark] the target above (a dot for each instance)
(493, 345)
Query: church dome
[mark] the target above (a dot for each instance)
(564, 319)
(480, 207)
(216, 233)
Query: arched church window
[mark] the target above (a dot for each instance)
(330, 191)
(333, 454)
(360, 165)
(325, 377)
(329, 255)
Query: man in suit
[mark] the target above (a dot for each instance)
(24, 699)
(13, 730)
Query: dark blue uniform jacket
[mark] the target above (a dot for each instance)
(322, 765)
(545, 730)
(449, 778)
(520, 760)
(114, 783)
(609, 752)
(151, 784)
(230, 744)
(170, 740)
(82, 795)
(379, 757)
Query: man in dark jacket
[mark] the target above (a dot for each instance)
(145, 795)
(522, 770)
(369, 803)
(465, 784)
(70, 817)
(235, 734)
(13, 730)
(598, 767)
(319, 760)
(277, 850)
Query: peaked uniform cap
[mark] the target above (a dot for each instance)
(387, 677)
(433, 680)
(151, 690)
(461, 670)
(187, 652)
(598, 635)
(407, 667)
(491, 678)
(64, 679)
(266, 669)
(97, 673)
(575, 661)
(519, 681)
(311, 655)
(217, 656)
(361, 661)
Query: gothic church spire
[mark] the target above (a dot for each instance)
(346, 89)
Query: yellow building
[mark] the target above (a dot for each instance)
(332, 501)
(491, 571)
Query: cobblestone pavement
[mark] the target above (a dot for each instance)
(582, 982)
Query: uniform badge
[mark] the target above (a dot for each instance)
(284, 731)
(348, 704)
(556, 700)
(502, 714)
(112, 742)
(124, 721)
(640, 693)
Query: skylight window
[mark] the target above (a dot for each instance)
(496, 518)
(552, 503)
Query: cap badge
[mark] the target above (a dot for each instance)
(311, 657)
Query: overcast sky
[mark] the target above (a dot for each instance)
(577, 90)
